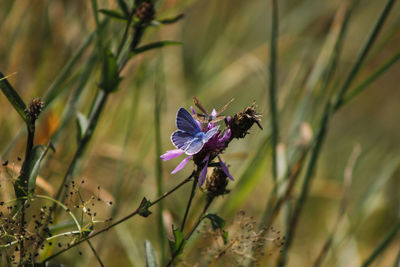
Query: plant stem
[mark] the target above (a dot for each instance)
(383, 245)
(363, 54)
(157, 120)
(201, 217)
(95, 253)
(192, 193)
(328, 112)
(199, 220)
(136, 212)
(98, 106)
(22, 184)
(348, 97)
(125, 35)
(272, 88)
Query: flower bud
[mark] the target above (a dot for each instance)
(243, 121)
(216, 184)
(35, 108)
(145, 12)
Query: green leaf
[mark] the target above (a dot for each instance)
(83, 124)
(224, 236)
(110, 73)
(123, 7)
(151, 259)
(29, 172)
(36, 157)
(155, 45)
(178, 243)
(113, 14)
(13, 97)
(167, 20)
(216, 221)
(144, 208)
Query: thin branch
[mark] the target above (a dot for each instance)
(95, 253)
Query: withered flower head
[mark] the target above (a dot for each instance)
(243, 121)
(216, 184)
(145, 11)
(34, 108)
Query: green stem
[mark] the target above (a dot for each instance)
(201, 217)
(272, 88)
(397, 260)
(157, 120)
(363, 54)
(382, 246)
(329, 110)
(56, 202)
(98, 106)
(192, 193)
(199, 220)
(306, 185)
(126, 32)
(356, 91)
(21, 185)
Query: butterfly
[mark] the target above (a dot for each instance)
(189, 136)
(209, 118)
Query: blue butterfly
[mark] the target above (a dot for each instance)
(189, 136)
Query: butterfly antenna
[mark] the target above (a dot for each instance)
(224, 107)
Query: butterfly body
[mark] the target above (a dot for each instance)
(189, 136)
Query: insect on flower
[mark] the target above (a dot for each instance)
(189, 136)
(198, 142)
(204, 142)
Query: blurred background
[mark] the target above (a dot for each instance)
(225, 55)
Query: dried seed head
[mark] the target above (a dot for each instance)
(216, 184)
(35, 107)
(145, 12)
(243, 121)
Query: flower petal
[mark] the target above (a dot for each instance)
(203, 172)
(181, 165)
(171, 154)
(225, 169)
(226, 136)
(214, 113)
(193, 110)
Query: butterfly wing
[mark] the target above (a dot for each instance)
(195, 146)
(198, 141)
(210, 134)
(186, 123)
(181, 139)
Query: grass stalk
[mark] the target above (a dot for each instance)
(328, 112)
(363, 85)
(348, 176)
(363, 54)
(158, 163)
(382, 246)
(187, 237)
(192, 193)
(272, 87)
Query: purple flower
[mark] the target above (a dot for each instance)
(209, 151)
